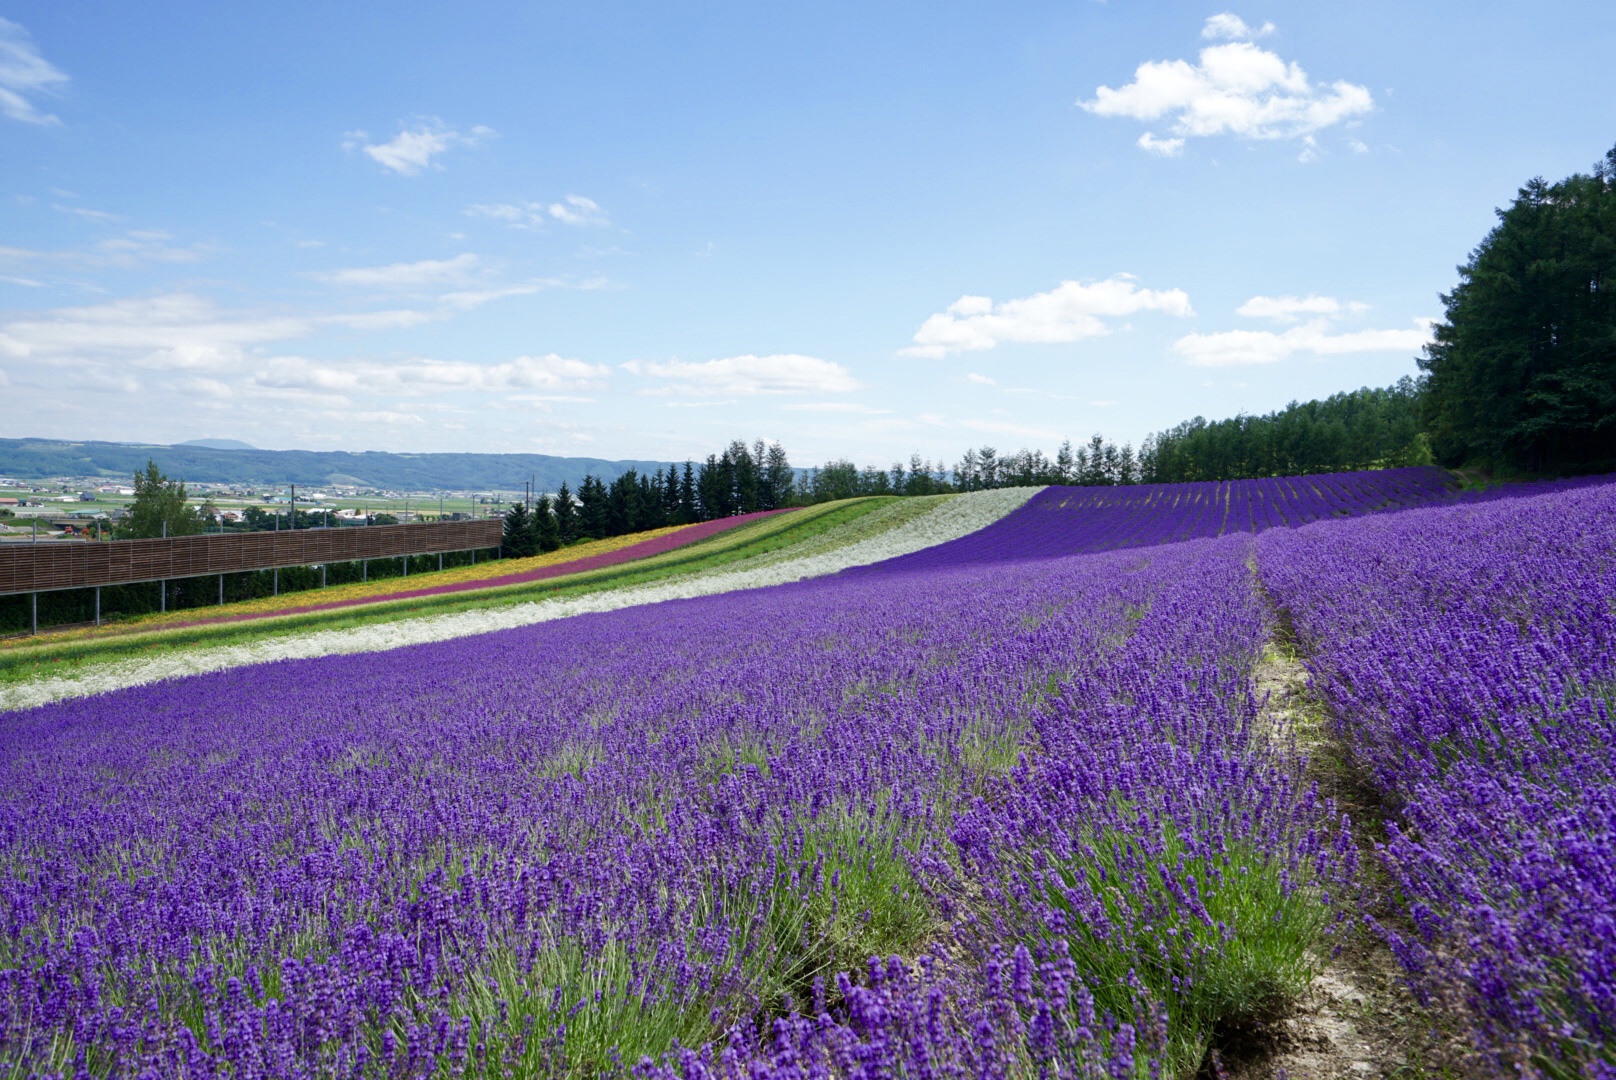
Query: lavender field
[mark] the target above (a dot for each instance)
(1009, 806)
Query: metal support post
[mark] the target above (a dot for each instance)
(277, 585)
(162, 596)
(34, 604)
(440, 560)
(364, 569)
(322, 575)
(98, 605)
(406, 566)
(221, 590)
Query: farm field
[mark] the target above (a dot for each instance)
(805, 543)
(972, 786)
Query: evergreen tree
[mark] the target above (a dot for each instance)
(1522, 373)
(159, 508)
(777, 483)
(687, 495)
(1362, 429)
(623, 504)
(546, 533)
(566, 515)
(594, 512)
(517, 540)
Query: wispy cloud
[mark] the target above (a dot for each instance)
(24, 73)
(1234, 89)
(414, 148)
(573, 210)
(1069, 312)
(86, 213)
(836, 407)
(425, 377)
(1318, 335)
(183, 353)
(406, 276)
(778, 373)
(577, 210)
(132, 248)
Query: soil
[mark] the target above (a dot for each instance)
(1358, 1018)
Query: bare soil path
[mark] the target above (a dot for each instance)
(1358, 1021)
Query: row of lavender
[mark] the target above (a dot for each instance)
(556, 849)
(1062, 521)
(1079, 520)
(1469, 656)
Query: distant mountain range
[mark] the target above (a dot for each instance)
(225, 461)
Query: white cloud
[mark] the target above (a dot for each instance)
(1161, 147)
(572, 210)
(1233, 348)
(86, 213)
(518, 215)
(429, 377)
(1230, 27)
(1235, 89)
(779, 373)
(577, 210)
(981, 380)
(1069, 312)
(836, 407)
(412, 149)
(406, 276)
(1293, 308)
(131, 249)
(177, 331)
(24, 73)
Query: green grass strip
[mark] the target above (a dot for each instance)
(827, 523)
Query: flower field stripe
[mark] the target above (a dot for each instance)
(1081, 520)
(666, 540)
(701, 825)
(948, 519)
(1468, 654)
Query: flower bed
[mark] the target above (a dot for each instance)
(1469, 655)
(694, 825)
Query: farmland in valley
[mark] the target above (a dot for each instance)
(981, 785)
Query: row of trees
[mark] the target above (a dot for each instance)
(1521, 376)
(1360, 429)
(741, 480)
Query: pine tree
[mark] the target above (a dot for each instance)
(546, 533)
(517, 539)
(594, 513)
(566, 515)
(688, 511)
(1522, 372)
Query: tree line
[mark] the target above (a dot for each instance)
(740, 480)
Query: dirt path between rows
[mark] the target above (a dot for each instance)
(1358, 1019)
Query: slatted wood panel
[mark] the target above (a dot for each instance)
(68, 564)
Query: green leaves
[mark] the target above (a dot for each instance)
(1522, 374)
(159, 508)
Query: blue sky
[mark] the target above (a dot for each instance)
(643, 230)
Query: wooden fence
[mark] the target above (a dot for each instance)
(74, 564)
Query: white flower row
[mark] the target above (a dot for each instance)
(950, 519)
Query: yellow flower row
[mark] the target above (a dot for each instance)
(482, 571)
